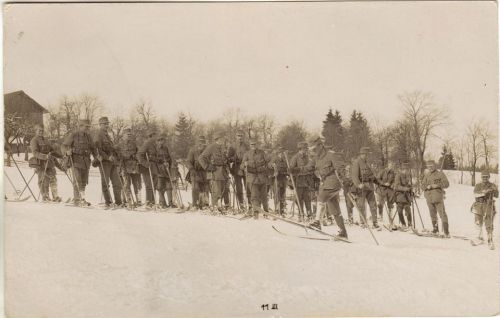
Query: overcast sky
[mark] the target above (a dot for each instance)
(291, 60)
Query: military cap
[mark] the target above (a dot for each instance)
(202, 139)
(84, 122)
(430, 162)
(240, 133)
(104, 120)
(485, 173)
(127, 130)
(218, 135)
(364, 150)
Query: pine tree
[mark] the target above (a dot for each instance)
(449, 160)
(183, 136)
(332, 131)
(358, 134)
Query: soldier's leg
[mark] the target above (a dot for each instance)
(489, 216)
(360, 202)
(380, 198)
(127, 185)
(76, 184)
(300, 201)
(400, 207)
(116, 183)
(265, 198)
(136, 181)
(433, 214)
(195, 193)
(282, 196)
(333, 207)
(216, 192)
(479, 217)
(349, 205)
(238, 184)
(407, 207)
(370, 196)
(160, 189)
(444, 217)
(105, 169)
(52, 180)
(83, 181)
(40, 174)
(146, 178)
(307, 201)
(226, 194)
(248, 188)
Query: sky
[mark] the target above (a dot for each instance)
(289, 60)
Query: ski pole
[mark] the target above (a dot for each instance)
(363, 217)
(103, 173)
(10, 181)
(151, 179)
(29, 182)
(22, 176)
(43, 176)
(294, 189)
(415, 200)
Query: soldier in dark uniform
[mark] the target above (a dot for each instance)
(303, 178)
(403, 194)
(385, 191)
(327, 166)
(364, 178)
(78, 146)
(348, 189)
(197, 174)
(280, 179)
(484, 206)
(256, 164)
(235, 154)
(433, 184)
(108, 165)
(148, 159)
(165, 176)
(215, 161)
(44, 155)
(127, 156)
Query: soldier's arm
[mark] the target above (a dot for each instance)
(190, 160)
(204, 158)
(35, 150)
(141, 154)
(444, 181)
(67, 144)
(355, 173)
(495, 191)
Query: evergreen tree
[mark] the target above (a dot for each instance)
(332, 131)
(290, 135)
(183, 136)
(449, 160)
(358, 135)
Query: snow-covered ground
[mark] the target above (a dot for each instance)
(72, 262)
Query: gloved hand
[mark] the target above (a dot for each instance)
(99, 157)
(361, 186)
(69, 152)
(387, 184)
(112, 158)
(43, 156)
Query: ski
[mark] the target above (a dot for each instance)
(81, 206)
(299, 236)
(18, 200)
(336, 237)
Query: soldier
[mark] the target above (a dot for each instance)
(303, 178)
(197, 174)
(280, 179)
(256, 163)
(403, 195)
(363, 179)
(235, 154)
(385, 179)
(433, 184)
(215, 161)
(484, 206)
(148, 159)
(78, 146)
(348, 188)
(127, 156)
(44, 155)
(328, 166)
(165, 175)
(108, 163)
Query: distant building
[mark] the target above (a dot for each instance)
(25, 107)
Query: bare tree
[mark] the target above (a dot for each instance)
(423, 116)
(117, 126)
(145, 112)
(473, 147)
(89, 107)
(488, 142)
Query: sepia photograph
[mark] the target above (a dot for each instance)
(250, 159)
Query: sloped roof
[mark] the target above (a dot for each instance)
(14, 98)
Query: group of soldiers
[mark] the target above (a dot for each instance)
(315, 173)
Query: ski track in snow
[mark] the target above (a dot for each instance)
(71, 262)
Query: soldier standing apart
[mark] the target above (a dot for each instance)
(433, 184)
(484, 207)
(327, 167)
(45, 165)
(303, 178)
(127, 154)
(148, 158)
(363, 178)
(385, 192)
(197, 174)
(256, 164)
(404, 195)
(78, 146)
(215, 161)
(280, 179)
(235, 154)
(348, 188)
(165, 168)
(108, 166)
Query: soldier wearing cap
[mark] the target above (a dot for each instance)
(280, 179)
(127, 156)
(433, 183)
(302, 173)
(363, 178)
(108, 165)
(484, 206)
(167, 172)
(385, 192)
(235, 153)
(215, 161)
(328, 167)
(44, 162)
(78, 146)
(256, 164)
(403, 187)
(197, 175)
(148, 158)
